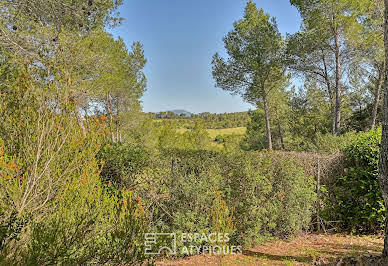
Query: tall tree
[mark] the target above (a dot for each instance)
(279, 107)
(383, 162)
(111, 77)
(376, 43)
(45, 33)
(254, 64)
(308, 53)
(332, 19)
(368, 40)
(380, 67)
(28, 27)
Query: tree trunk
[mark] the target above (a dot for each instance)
(109, 110)
(267, 123)
(383, 162)
(332, 106)
(337, 84)
(333, 114)
(281, 137)
(331, 96)
(280, 131)
(118, 124)
(380, 81)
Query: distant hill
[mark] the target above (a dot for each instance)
(165, 114)
(179, 112)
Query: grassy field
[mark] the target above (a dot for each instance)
(226, 131)
(303, 250)
(222, 131)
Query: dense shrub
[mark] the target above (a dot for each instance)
(190, 183)
(270, 194)
(84, 224)
(330, 144)
(266, 195)
(121, 162)
(357, 201)
(219, 139)
(89, 226)
(54, 209)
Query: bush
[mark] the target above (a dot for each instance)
(270, 194)
(83, 223)
(219, 139)
(266, 195)
(329, 143)
(358, 203)
(121, 163)
(54, 209)
(92, 228)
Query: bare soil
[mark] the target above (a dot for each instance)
(311, 249)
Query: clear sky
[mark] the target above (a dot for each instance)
(180, 38)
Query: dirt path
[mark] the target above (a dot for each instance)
(303, 250)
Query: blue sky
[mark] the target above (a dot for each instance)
(180, 38)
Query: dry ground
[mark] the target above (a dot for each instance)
(303, 250)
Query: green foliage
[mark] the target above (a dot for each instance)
(121, 163)
(307, 129)
(297, 122)
(54, 208)
(310, 117)
(223, 220)
(11, 227)
(270, 195)
(219, 139)
(255, 138)
(197, 137)
(266, 194)
(254, 48)
(89, 225)
(222, 216)
(170, 138)
(254, 66)
(331, 144)
(66, 86)
(31, 27)
(84, 224)
(213, 121)
(358, 203)
(190, 187)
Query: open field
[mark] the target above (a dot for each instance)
(303, 250)
(221, 131)
(226, 131)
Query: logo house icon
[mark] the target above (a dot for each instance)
(155, 243)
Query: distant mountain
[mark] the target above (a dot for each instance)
(179, 112)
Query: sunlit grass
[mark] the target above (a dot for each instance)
(221, 131)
